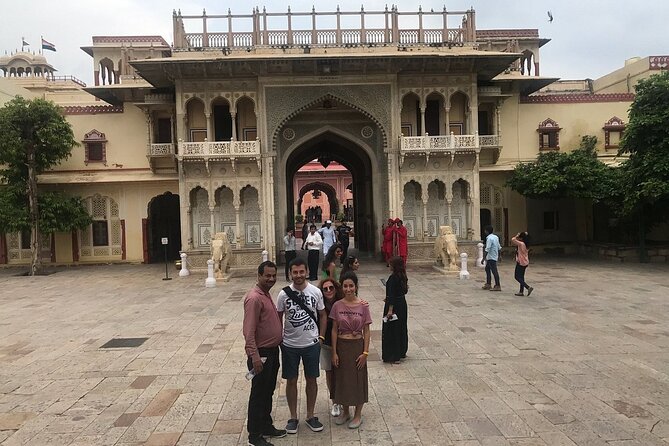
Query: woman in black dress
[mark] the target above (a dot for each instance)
(395, 336)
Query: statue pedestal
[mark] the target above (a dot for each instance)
(222, 277)
(446, 271)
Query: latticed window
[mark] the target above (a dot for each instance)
(95, 147)
(549, 135)
(613, 132)
(103, 237)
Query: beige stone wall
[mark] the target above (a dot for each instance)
(127, 138)
(519, 123)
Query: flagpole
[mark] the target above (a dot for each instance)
(41, 39)
(23, 41)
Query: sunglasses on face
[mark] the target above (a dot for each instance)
(328, 288)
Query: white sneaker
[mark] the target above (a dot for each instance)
(336, 410)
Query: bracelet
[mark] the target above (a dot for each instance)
(321, 338)
(365, 353)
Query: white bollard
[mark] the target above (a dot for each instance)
(479, 259)
(265, 255)
(464, 274)
(183, 272)
(210, 282)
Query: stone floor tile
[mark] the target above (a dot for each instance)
(163, 439)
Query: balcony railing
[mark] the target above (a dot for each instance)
(162, 149)
(219, 149)
(447, 143)
(252, 30)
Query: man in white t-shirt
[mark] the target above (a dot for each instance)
(304, 323)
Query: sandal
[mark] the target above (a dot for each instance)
(342, 420)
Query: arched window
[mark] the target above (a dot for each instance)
(102, 238)
(549, 135)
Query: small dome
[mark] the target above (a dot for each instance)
(4, 60)
(38, 58)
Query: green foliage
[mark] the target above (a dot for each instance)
(577, 174)
(57, 212)
(32, 125)
(299, 218)
(34, 137)
(646, 140)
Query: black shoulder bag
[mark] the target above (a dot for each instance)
(295, 298)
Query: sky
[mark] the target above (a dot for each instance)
(589, 38)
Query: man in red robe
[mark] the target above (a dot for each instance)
(387, 246)
(401, 247)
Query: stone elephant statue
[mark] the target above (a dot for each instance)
(446, 248)
(220, 253)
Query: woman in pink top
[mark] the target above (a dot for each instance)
(522, 240)
(350, 348)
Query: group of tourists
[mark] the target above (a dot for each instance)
(491, 256)
(326, 327)
(395, 243)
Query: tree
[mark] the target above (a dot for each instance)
(645, 175)
(577, 174)
(34, 137)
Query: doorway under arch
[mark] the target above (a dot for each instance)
(356, 160)
(163, 221)
(327, 189)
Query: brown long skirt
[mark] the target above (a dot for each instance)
(352, 386)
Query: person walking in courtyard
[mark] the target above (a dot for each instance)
(305, 232)
(302, 308)
(329, 236)
(332, 258)
(314, 243)
(332, 292)
(352, 263)
(344, 232)
(522, 240)
(289, 249)
(350, 348)
(394, 333)
(490, 258)
(263, 335)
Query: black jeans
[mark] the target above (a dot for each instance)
(520, 277)
(312, 260)
(262, 389)
(290, 255)
(491, 267)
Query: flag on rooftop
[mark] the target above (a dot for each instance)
(46, 45)
(23, 42)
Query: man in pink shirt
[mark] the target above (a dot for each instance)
(263, 332)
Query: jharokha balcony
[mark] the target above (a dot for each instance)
(324, 29)
(220, 151)
(447, 144)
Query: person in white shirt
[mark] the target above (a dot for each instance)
(314, 243)
(329, 236)
(302, 309)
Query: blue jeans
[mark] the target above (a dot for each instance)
(491, 267)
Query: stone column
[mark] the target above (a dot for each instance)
(184, 212)
(233, 116)
(476, 200)
(236, 202)
(422, 121)
(424, 198)
(212, 220)
(447, 120)
(210, 130)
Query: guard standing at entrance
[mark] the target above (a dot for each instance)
(343, 233)
(289, 248)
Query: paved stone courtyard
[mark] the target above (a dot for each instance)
(584, 361)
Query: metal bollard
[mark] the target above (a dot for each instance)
(184, 269)
(480, 256)
(210, 282)
(464, 274)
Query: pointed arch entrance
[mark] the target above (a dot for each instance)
(163, 221)
(354, 157)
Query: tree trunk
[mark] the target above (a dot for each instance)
(35, 241)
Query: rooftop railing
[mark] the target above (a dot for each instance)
(303, 29)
